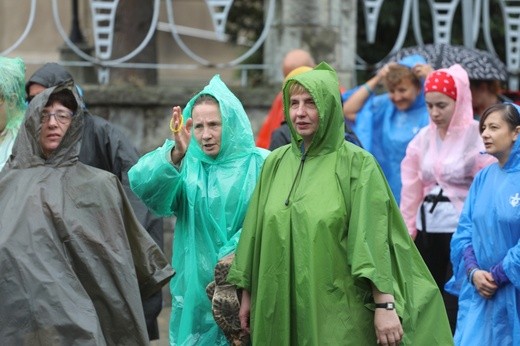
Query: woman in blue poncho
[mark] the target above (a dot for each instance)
(205, 177)
(386, 123)
(485, 249)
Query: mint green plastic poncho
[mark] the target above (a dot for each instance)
(12, 93)
(209, 197)
(320, 230)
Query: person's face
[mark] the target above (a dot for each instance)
(403, 95)
(55, 121)
(441, 108)
(207, 127)
(498, 137)
(478, 97)
(304, 115)
(34, 89)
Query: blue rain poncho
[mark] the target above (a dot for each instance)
(490, 222)
(385, 131)
(12, 93)
(209, 196)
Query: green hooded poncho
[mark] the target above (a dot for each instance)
(309, 252)
(209, 196)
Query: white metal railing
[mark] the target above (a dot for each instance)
(475, 18)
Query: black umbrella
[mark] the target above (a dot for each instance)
(479, 64)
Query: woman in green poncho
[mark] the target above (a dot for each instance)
(12, 103)
(324, 257)
(205, 177)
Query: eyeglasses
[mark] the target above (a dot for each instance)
(63, 117)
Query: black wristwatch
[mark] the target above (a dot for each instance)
(387, 305)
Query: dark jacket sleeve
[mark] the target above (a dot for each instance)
(105, 146)
(281, 136)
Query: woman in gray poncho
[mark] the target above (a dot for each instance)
(75, 260)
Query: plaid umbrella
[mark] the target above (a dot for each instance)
(479, 64)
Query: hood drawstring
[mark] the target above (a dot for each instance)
(298, 172)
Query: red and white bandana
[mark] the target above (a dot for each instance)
(442, 82)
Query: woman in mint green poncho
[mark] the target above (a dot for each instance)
(205, 178)
(323, 240)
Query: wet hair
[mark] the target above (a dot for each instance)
(508, 112)
(397, 73)
(494, 86)
(296, 89)
(204, 99)
(64, 97)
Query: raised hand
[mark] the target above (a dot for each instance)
(181, 134)
(422, 70)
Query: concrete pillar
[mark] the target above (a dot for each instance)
(326, 28)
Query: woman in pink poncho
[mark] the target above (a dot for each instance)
(440, 164)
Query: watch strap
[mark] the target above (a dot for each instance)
(387, 306)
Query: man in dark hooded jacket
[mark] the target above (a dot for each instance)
(105, 147)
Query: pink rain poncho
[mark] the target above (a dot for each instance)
(452, 164)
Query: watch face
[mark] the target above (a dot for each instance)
(390, 306)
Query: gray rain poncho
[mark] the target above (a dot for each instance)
(75, 260)
(104, 146)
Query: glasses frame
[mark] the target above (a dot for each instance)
(45, 117)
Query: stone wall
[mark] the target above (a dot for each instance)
(143, 113)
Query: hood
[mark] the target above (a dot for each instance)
(322, 84)
(463, 112)
(49, 75)
(411, 60)
(12, 77)
(237, 136)
(27, 151)
(513, 162)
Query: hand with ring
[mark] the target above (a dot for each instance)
(180, 134)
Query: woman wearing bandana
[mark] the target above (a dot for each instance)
(439, 166)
